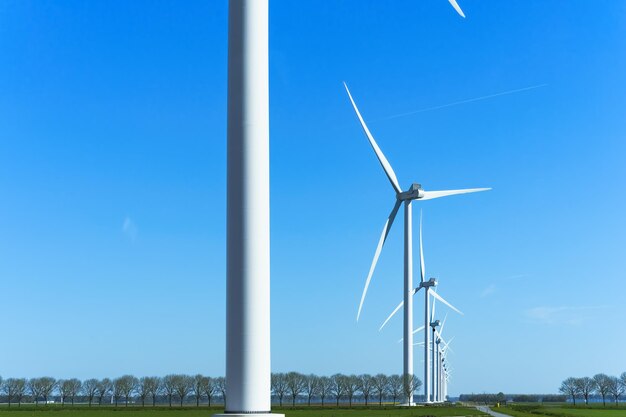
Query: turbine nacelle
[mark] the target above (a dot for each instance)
(426, 284)
(413, 193)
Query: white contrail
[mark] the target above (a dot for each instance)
(470, 100)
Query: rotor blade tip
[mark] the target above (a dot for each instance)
(457, 8)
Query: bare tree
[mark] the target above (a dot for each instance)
(311, 386)
(69, 388)
(19, 389)
(585, 387)
(105, 387)
(125, 386)
(616, 388)
(169, 386)
(337, 386)
(74, 388)
(182, 386)
(601, 385)
(15, 389)
(64, 389)
(197, 388)
(324, 388)
(569, 387)
(410, 384)
(143, 389)
(296, 384)
(279, 386)
(208, 387)
(4, 388)
(90, 389)
(41, 387)
(152, 386)
(220, 383)
(34, 389)
(117, 389)
(351, 385)
(381, 387)
(366, 386)
(47, 386)
(396, 386)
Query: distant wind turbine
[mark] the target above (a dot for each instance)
(415, 192)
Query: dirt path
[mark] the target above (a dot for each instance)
(488, 410)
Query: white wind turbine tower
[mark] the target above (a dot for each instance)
(415, 192)
(248, 212)
(248, 257)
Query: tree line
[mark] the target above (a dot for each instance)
(503, 398)
(343, 387)
(127, 388)
(177, 388)
(600, 384)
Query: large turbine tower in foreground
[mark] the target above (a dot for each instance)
(248, 240)
(248, 212)
(406, 198)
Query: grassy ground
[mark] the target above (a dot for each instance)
(56, 411)
(562, 411)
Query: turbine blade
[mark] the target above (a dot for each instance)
(379, 248)
(422, 270)
(381, 157)
(396, 310)
(418, 329)
(429, 195)
(447, 347)
(456, 7)
(440, 298)
(391, 315)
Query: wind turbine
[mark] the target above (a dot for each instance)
(429, 318)
(415, 192)
(438, 359)
(248, 239)
(444, 374)
(433, 325)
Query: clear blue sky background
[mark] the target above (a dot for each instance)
(112, 185)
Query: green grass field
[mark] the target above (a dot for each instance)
(562, 411)
(57, 411)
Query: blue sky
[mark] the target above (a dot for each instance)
(112, 185)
